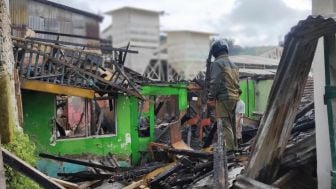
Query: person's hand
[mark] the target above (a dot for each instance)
(211, 103)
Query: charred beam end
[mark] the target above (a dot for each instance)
(93, 165)
(27, 170)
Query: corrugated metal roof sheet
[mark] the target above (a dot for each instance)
(61, 6)
(247, 59)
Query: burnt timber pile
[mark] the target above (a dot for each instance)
(183, 167)
(281, 155)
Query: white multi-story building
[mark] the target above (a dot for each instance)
(141, 28)
(188, 51)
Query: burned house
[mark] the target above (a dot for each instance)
(72, 109)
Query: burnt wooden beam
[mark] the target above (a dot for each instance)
(87, 176)
(304, 110)
(304, 126)
(131, 174)
(285, 96)
(280, 182)
(19, 165)
(78, 162)
(165, 174)
(243, 182)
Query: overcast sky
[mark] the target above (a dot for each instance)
(248, 22)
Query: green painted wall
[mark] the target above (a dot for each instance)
(262, 90)
(39, 109)
(255, 95)
(166, 90)
(247, 87)
(151, 91)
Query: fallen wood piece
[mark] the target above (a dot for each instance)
(156, 172)
(280, 182)
(243, 182)
(165, 174)
(132, 174)
(191, 153)
(304, 110)
(134, 185)
(94, 165)
(87, 176)
(304, 126)
(29, 171)
(66, 184)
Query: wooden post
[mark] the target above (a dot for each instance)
(220, 160)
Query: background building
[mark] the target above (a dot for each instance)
(188, 51)
(43, 15)
(139, 27)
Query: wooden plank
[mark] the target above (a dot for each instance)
(56, 89)
(29, 171)
(288, 86)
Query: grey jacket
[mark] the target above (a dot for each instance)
(224, 79)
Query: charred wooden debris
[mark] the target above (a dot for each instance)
(279, 150)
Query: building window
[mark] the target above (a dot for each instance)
(78, 117)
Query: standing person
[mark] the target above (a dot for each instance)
(240, 110)
(224, 90)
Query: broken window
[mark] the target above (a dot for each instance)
(144, 123)
(80, 117)
(166, 109)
